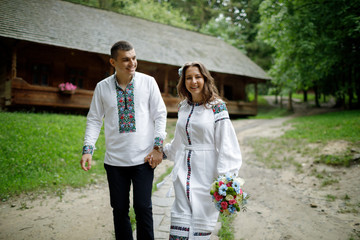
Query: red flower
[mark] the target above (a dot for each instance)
(224, 205)
(221, 183)
(229, 184)
(217, 196)
(232, 201)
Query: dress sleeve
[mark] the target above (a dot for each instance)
(226, 142)
(94, 122)
(158, 113)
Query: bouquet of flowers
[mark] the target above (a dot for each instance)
(228, 195)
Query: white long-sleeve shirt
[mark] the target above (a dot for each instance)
(134, 119)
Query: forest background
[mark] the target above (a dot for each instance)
(304, 45)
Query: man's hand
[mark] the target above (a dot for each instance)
(86, 158)
(154, 158)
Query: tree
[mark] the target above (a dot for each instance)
(236, 22)
(314, 42)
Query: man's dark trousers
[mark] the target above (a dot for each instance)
(120, 179)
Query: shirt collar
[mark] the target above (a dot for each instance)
(117, 84)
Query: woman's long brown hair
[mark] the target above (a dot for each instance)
(209, 92)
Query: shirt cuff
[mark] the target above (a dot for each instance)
(158, 142)
(88, 149)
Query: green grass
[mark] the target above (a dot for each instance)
(320, 129)
(342, 159)
(342, 125)
(43, 151)
(300, 96)
(265, 111)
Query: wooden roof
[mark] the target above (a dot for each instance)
(74, 26)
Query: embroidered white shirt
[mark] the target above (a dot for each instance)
(134, 119)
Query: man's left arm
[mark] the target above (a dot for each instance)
(158, 114)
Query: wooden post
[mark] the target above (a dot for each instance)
(222, 86)
(256, 91)
(9, 79)
(13, 64)
(166, 82)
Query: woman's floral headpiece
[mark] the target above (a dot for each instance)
(180, 71)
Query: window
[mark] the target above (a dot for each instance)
(228, 92)
(40, 74)
(76, 76)
(172, 87)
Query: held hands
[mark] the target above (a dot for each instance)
(154, 158)
(86, 158)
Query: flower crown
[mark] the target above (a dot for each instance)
(180, 71)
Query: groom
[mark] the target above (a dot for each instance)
(134, 115)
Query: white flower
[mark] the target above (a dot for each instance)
(229, 197)
(240, 181)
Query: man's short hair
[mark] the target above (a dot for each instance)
(121, 45)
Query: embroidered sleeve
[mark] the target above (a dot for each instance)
(220, 111)
(88, 149)
(158, 113)
(94, 122)
(158, 142)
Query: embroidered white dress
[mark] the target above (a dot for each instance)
(204, 146)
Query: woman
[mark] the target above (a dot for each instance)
(204, 146)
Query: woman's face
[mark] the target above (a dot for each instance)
(194, 83)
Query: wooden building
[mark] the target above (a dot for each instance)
(45, 43)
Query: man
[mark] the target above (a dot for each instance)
(134, 119)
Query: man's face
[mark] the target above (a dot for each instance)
(125, 63)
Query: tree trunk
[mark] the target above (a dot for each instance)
(357, 84)
(105, 4)
(351, 87)
(317, 103)
(305, 96)
(290, 105)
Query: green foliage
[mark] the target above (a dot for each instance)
(223, 28)
(156, 11)
(315, 44)
(43, 151)
(227, 229)
(236, 23)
